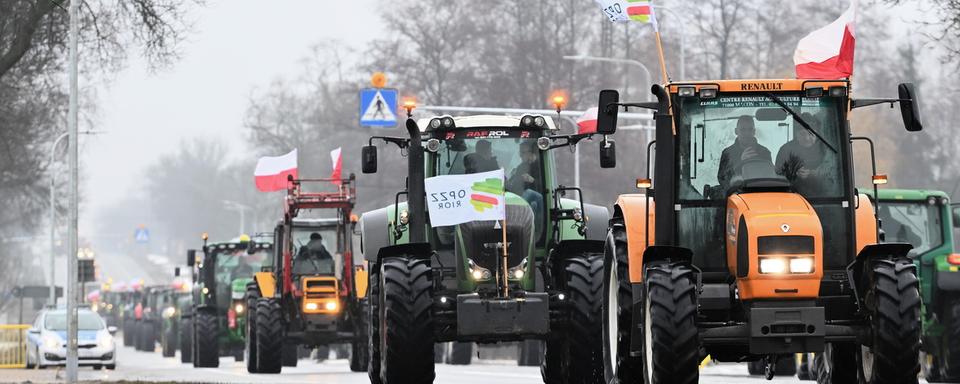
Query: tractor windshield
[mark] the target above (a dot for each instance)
(484, 150)
(236, 263)
(741, 142)
(916, 223)
(314, 251)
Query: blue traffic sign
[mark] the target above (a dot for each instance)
(142, 235)
(378, 107)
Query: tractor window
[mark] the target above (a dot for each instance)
(318, 265)
(514, 151)
(733, 139)
(916, 223)
(235, 264)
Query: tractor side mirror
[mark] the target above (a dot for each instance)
(191, 257)
(368, 158)
(955, 209)
(176, 271)
(909, 107)
(608, 154)
(607, 112)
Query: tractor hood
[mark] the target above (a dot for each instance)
(477, 240)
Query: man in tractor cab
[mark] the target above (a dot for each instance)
(313, 258)
(799, 159)
(481, 160)
(525, 178)
(743, 150)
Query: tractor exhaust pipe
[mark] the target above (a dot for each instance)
(416, 194)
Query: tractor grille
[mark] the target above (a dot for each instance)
(785, 245)
(479, 238)
(320, 287)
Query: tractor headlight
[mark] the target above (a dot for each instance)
(331, 305)
(519, 271)
(543, 143)
(238, 308)
(311, 306)
(168, 312)
(771, 265)
(478, 272)
(433, 145)
(801, 265)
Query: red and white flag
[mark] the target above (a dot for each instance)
(337, 158)
(827, 53)
(587, 122)
(271, 173)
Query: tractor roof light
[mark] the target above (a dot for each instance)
(687, 91)
(813, 92)
(435, 124)
(447, 122)
(931, 201)
(539, 121)
(409, 104)
(526, 121)
(708, 93)
(837, 91)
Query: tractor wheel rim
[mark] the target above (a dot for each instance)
(613, 318)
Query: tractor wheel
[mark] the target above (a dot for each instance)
(186, 341)
(894, 356)
(128, 334)
(440, 353)
(671, 345)
(167, 345)
(575, 356)
(530, 353)
(373, 325)
(950, 359)
(618, 365)
(323, 353)
(460, 353)
(786, 365)
(207, 341)
(835, 365)
(755, 368)
(359, 355)
(805, 368)
(269, 334)
(289, 355)
(406, 321)
(250, 336)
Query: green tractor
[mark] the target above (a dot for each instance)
(172, 303)
(925, 219)
(457, 283)
(217, 321)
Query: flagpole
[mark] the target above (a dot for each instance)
(663, 63)
(503, 230)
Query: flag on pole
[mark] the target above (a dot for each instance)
(827, 53)
(622, 11)
(587, 122)
(337, 159)
(457, 199)
(271, 173)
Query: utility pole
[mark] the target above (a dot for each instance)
(72, 117)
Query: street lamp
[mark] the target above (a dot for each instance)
(617, 61)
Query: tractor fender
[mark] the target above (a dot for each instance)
(374, 233)
(567, 248)
(266, 282)
(597, 217)
(421, 251)
(631, 210)
(948, 281)
(860, 271)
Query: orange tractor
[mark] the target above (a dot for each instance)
(751, 242)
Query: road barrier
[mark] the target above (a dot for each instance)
(13, 345)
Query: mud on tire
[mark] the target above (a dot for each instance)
(406, 321)
(894, 300)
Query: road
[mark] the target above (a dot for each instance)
(151, 367)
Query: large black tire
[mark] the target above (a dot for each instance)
(207, 340)
(617, 311)
(805, 368)
(269, 332)
(186, 341)
(250, 336)
(580, 355)
(128, 333)
(836, 364)
(950, 350)
(894, 300)
(671, 342)
(167, 343)
(359, 355)
(323, 353)
(290, 354)
(440, 353)
(406, 318)
(755, 368)
(373, 325)
(460, 353)
(530, 353)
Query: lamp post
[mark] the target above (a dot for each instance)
(615, 60)
(72, 117)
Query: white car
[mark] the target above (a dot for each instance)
(47, 340)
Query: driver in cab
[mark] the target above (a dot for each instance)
(799, 159)
(313, 258)
(743, 150)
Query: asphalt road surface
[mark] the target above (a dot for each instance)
(151, 367)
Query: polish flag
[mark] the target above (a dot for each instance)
(587, 122)
(271, 173)
(827, 53)
(337, 159)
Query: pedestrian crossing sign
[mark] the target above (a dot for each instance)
(142, 235)
(378, 107)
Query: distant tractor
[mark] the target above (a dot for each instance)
(751, 241)
(309, 295)
(217, 319)
(458, 283)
